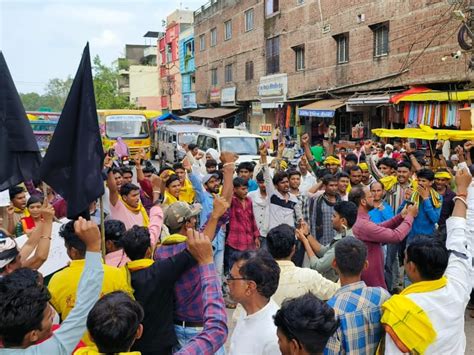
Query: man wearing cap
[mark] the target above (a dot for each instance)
(188, 319)
(367, 178)
(205, 189)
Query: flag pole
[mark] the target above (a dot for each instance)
(102, 225)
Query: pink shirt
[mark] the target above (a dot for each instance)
(116, 258)
(373, 235)
(120, 212)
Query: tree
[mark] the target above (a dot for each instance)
(57, 91)
(106, 88)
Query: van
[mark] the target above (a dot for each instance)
(171, 137)
(238, 141)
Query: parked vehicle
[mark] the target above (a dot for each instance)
(131, 125)
(171, 137)
(238, 141)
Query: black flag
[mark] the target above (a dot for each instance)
(20, 157)
(73, 162)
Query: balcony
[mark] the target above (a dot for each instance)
(150, 51)
(125, 90)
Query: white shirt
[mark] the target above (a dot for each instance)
(256, 334)
(445, 307)
(296, 281)
(260, 210)
(307, 181)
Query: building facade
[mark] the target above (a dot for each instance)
(169, 62)
(187, 69)
(320, 64)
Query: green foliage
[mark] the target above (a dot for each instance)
(106, 89)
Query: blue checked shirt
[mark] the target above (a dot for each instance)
(358, 308)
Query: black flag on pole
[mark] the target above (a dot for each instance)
(73, 162)
(20, 157)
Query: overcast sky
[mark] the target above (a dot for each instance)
(44, 39)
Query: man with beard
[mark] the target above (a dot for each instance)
(373, 235)
(355, 174)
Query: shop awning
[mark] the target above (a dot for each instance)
(212, 112)
(441, 96)
(425, 132)
(420, 94)
(368, 100)
(323, 108)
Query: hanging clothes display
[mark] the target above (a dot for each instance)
(433, 114)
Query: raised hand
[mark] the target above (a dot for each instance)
(305, 139)
(89, 233)
(263, 150)
(200, 247)
(463, 180)
(412, 210)
(187, 164)
(423, 192)
(228, 157)
(220, 206)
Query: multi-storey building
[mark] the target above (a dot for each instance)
(315, 63)
(187, 69)
(169, 61)
(138, 74)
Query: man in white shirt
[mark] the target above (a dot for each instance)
(260, 207)
(295, 281)
(307, 177)
(437, 299)
(252, 280)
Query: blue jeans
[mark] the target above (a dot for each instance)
(185, 334)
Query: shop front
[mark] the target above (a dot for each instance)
(322, 119)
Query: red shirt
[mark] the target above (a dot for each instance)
(242, 225)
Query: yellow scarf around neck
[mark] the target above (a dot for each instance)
(24, 211)
(139, 264)
(406, 322)
(94, 351)
(169, 199)
(434, 195)
(139, 208)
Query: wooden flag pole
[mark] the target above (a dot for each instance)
(102, 226)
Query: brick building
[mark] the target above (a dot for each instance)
(168, 59)
(356, 53)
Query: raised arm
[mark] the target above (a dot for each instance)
(112, 186)
(266, 171)
(220, 206)
(214, 333)
(41, 239)
(228, 159)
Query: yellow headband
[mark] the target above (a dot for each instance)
(443, 175)
(330, 160)
(364, 166)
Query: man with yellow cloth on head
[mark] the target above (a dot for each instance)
(442, 185)
(429, 203)
(428, 316)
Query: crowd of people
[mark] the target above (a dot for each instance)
(360, 251)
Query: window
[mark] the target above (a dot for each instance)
(249, 20)
(213, 37)
(249, 71)
(299, 2)
(342, 42)
(228, 73)
(273, 55)
(202, 42)
(227, 30)
(380, 39)
(271, 6)
(189, 48)
(299, 57)
(214, 77)
(169, 53)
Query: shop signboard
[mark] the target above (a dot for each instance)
(189, 100)
(266, 129)
(272, 90)
(257, 108)
(215, 95)
(228, 96)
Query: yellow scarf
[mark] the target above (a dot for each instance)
(174, 239)
(330, 160)
(408, 324)
(435, 197)
(24, 211)
(187, 193)
(443, 175)
(139, 264)
(92, 351)
(169, 199)
(390, 181)
(139, 208)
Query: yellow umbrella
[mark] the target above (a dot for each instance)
(424, 132)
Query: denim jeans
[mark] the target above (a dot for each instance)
(392, 269)
(185, 334)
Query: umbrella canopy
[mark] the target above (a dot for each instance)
(424, 132)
